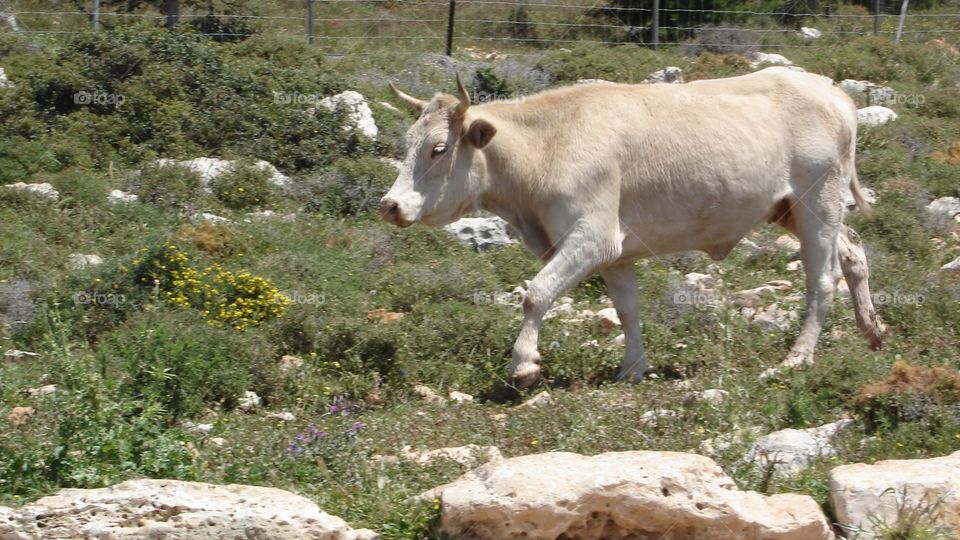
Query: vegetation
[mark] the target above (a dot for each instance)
(185, 316)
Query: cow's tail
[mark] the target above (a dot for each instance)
(855, 188)
(858, 197)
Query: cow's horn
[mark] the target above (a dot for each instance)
(464, 96)
(410, 101)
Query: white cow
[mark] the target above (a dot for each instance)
(595, 176)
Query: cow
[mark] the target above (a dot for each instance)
(595, 176)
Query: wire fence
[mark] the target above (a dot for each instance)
(484, 27)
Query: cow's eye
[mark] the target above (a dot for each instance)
(439, 149)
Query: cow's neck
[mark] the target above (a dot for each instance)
(514, 190)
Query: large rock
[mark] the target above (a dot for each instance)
(789, 451)
(667, 75)
(760, 58)
(868, 194)
(44, 189)
(952, 267)
(482, 233)
(211, 168)
(865, 495)
(4, 81)
(359, 115)
(943, 214)
(664, 495)
(175, 510)
(875, 115)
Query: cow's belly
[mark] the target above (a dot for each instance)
(709, 220)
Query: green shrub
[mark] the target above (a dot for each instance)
(176, 361)
(350, 187)
(169, 187)
(244, 187)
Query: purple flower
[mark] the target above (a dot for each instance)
(340, 405)
(355, 428)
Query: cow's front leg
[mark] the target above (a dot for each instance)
(578, 256)
(621, 281)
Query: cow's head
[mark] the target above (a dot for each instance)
(444, 171)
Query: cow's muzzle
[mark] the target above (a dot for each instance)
(390, 212)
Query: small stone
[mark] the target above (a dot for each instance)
(460, 397)
(116, 196)
(427, 394)
(217, 441)
(43, 390)
(213, 218)
(285, 416)
(80, 261)
(775, 318)
(787, 242)
(713, 395)
(810, 33)
(794, 266)
(201, 429)
(249, 402)
(655, 416)
(608, 320)
(952, 267)
(619, 340)
(538, 400)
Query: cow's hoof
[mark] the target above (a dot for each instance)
(878, 334)
(526, 377)
(795, 360)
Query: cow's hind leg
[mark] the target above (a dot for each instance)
(815, 218)
(621, 281)
(853, 261)
(577, 257)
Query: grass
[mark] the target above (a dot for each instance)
(135, 370)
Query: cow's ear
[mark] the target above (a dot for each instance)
(480, 133)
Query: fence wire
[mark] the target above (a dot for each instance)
(346, 27)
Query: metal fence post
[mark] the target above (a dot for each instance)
(96, 15)
(310, 4)
(450, 17)
(903, 17)
(876, 17)
(656, 23)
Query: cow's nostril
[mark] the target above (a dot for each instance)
(389, 209)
